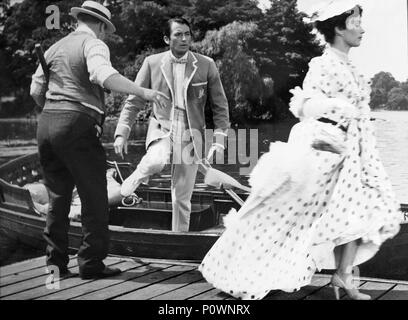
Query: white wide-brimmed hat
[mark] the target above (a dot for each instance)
(323, 10)
(96, 10)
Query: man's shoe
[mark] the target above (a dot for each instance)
(129, 185)
(68, 274)
(105, 273)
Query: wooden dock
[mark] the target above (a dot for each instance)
(144, 279)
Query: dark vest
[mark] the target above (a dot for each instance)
(69, 76)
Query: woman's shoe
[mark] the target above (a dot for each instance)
(350, 289)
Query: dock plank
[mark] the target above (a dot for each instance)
(77, 287)
(189, 291)
(317, 283)
(374, 289)
(324, 293)
(16, 291)
(140, 277)
(213, 294)
(164, 286)
(144, 279)
(29, 274)
(28, 288)
(400, 292)
(18, 267)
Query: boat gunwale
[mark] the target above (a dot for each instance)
(116, 228)
(5, 166)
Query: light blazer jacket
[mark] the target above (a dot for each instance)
(202, 82)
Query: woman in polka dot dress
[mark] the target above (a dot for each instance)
(310, 208)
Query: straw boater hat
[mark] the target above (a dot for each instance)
(330, 8)
(96, 10)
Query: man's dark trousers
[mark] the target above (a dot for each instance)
(71, 155)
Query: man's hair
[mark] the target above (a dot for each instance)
(327, 27)
(167, 27)
(87, 18)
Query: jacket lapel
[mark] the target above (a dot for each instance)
(191, 68)
(167, 71)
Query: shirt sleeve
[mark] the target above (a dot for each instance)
(97, 57)
(38, 82)
(318, 98)
(321, 78)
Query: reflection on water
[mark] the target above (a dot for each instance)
(392, 142)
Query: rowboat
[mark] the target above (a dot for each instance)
(143, 230)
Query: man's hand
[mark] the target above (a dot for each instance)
(215, 148)
(157, 97)
(120, 145)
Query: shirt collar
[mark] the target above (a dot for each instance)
(183, 57)
(86, 29)
(340, 54)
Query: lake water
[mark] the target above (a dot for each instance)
(392, 142)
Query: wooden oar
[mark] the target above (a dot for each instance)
(218, 179)
(41, 58)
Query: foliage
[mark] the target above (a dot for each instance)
(285, 45)
(260, 55)
(213, 14)
(143, 27)
(381, 85)
(4, 7)
(398, 97)
(238, 71)
(23, 28)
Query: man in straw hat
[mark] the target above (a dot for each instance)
(69, 129)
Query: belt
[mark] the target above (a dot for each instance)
(77, 107)
(326, 120)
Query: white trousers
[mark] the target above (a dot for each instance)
(183, 173)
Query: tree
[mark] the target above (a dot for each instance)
(4, 7)
(260, 55)
(24, 26)
(239, 73)
(284, 46)
(398, 97)
(206, 15)
(141, 26)
(381, 85)
(4, 61)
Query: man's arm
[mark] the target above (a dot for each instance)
(102, 73)
(219, 105)
(133, 103)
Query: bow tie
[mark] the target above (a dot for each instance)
(180, 61)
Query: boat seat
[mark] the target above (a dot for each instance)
(158, 215)
(24, 171)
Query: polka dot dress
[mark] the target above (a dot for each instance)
(304, 202)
